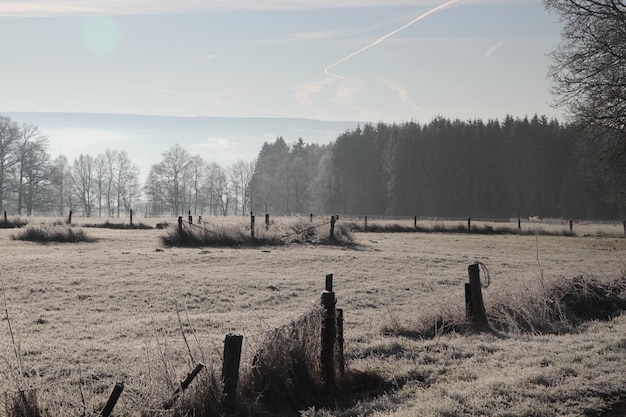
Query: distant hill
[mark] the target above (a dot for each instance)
(217, 139)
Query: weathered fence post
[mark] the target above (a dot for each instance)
(6, 221)
(366, 223)
(199, 219)
(519, 224)
(469, 224)
(183, 386)
(267, 221)
(190, 217)
(623, 222)
(115, 395)
(180, 224)
(311, 216)
(415, 222)
(571, 225)
(332, 227)
(69, 219)
(340, 342)
(131, 218)
(329, 334)
(475, 308)
(230, 370)
(252, 225)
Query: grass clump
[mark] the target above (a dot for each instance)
(228, 235)
(12, 223)
(285, 231)
(285, 375)
(120, 226)
(46, 233)
(558, 308)
(24, 404)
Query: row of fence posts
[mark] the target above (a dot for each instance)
(333, 220)
(331, 358)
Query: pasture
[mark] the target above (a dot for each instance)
(125, 308)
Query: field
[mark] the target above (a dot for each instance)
(126, 308)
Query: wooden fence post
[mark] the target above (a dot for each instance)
(571, 225)
(183, 386)
(519, 224)
(366, 223)
(69, 219)
(469, 224)
(623, 222)
(190, 217)
(180, 224)
(230, 370)
(131, 218)
(311, 217)
(475, 307)
(340, 343)
(415, 222)
(267, 221)
(199, 219)
(332, 227)
(6, 221)
(252, 225)
(329, 334)
(115, 395)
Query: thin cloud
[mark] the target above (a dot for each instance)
(50, 8)
(400, 91)
(206, 58)
(304, 91)
(177, 93)
(493, 49)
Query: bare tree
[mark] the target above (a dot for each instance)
(589, 66)
(83, 181)
(240, 175)
(9, 142)
(30, 149)
(171, 172)
(100, 179)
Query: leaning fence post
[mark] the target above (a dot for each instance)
(183, 386)
(115, 395)
(332, 227)
(329, 334)
(475, 307)
(230, 370)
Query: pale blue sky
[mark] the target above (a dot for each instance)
(470, 59)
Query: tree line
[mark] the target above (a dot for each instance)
(518, 167)
(31, 182)
(444, 168)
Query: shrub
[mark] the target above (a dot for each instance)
(12, 223)
(53, 233)
(122, 226)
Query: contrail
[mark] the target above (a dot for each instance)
(381, 39)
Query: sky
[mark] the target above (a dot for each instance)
(361, 60)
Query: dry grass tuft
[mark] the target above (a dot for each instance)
(24, 404)
(12, 223)
(46, 233)
(119, 226)
(285, 375)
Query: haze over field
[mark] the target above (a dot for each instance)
(344, 60)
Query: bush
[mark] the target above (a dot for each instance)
(12, 223)
(121, 226)
(53, 233)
